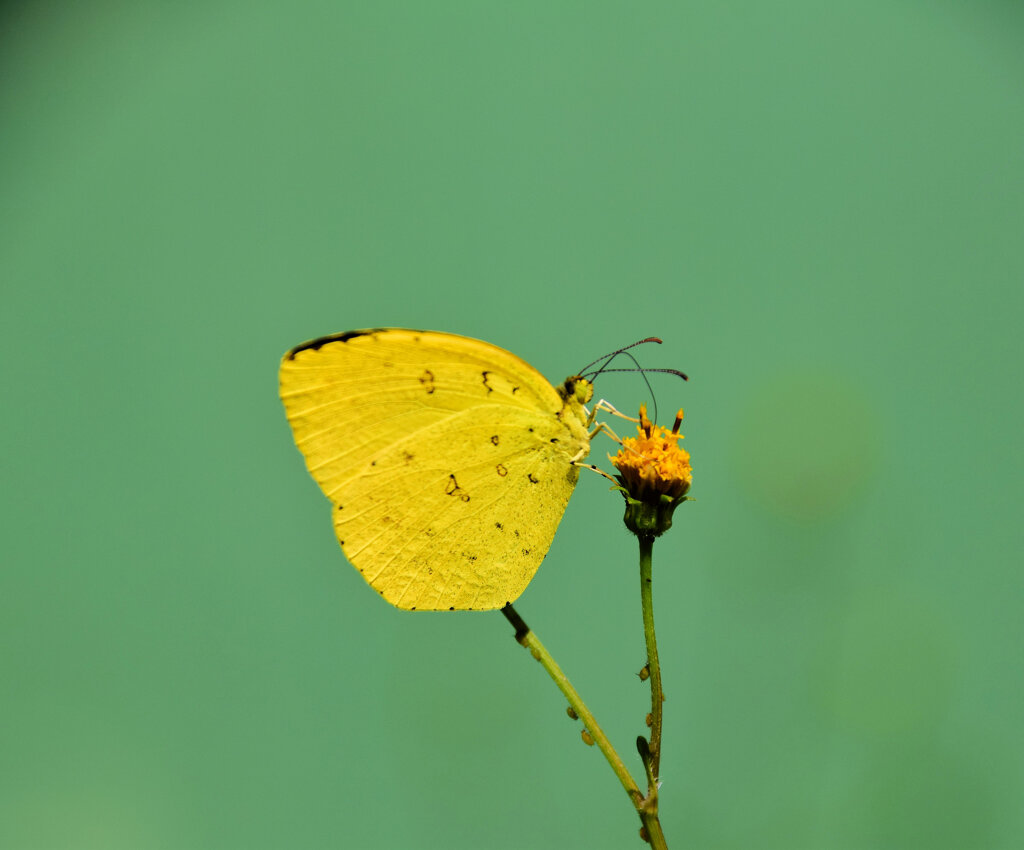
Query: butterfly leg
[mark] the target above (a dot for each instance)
(606, 406)
(601, 426)
(599, 471)
(604, 426)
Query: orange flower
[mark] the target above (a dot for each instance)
(653, 464)
(655, 475)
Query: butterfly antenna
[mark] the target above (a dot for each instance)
(609, 357)
(590, 376)
(639, 369)
(675, 372)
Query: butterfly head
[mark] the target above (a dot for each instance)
(577, 388)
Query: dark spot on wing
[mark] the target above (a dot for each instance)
(526, 551)
(502, 471)
(451, 607)
(408, 456)
(427, 379)
(452, 488)
(516, 532)
(490, 389)
(494, 439)
(499, 526)
(533, 480)
(515, 390)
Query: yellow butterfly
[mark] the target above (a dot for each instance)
(449, 460)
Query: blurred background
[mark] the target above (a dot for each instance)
(819, 207)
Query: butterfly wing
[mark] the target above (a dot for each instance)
(447, 459)
(459, 515)
(351, 395)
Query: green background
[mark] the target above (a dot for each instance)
(818, 206)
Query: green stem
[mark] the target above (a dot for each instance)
(526, 636)
(657, 697)
(655, 837)
(646, 806)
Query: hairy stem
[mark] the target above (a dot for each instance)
(657, 697)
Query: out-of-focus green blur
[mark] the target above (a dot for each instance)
(818, 206)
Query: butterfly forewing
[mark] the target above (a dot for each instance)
(350, 396)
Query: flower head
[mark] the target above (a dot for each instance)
(655, 475)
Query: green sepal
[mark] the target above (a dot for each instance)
(651, 519)
(625, 493)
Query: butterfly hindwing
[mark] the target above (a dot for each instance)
(456, 516)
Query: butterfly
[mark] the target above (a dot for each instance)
(449, 461)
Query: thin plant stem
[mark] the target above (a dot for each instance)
(657, 697)
(528, 638)
(648, 813)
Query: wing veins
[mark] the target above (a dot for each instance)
(418, 493)
(432, 541)
(406, 436)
